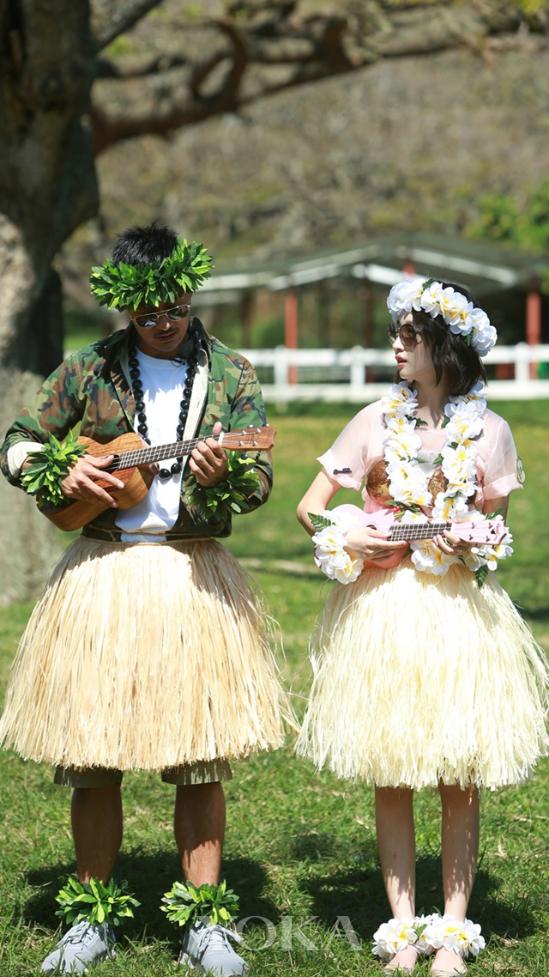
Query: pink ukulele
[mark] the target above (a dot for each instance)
(478, 529)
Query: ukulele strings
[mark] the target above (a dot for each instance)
(142, 456)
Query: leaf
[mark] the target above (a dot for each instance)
(211, 902)
(481, 575)
(94, 901)
(319, 522)
(125, 286)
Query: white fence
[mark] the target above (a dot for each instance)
(333, 374)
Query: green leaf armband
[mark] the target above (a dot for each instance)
(229, 495)
(186, 903)
(49, 467)
(95, 902)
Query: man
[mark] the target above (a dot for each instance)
(146, 650)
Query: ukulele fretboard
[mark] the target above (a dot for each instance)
(418, 530)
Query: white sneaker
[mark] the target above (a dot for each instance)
(83, 944)
(206, 947)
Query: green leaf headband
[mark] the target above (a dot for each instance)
(124, 286)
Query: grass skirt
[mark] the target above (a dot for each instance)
(420, 679)
(144, 656)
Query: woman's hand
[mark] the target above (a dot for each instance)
(371, 544)
(452, 545)
(80, 483)
(208, 461)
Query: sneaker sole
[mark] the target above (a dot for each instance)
(184, 960)
(57, 970)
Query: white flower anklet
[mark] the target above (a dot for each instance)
(428, 934)
(461, 936)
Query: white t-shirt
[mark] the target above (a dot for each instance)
(162, 382)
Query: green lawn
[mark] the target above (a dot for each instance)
(299, 845)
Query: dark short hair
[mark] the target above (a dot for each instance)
(144, 245)
(452, 355)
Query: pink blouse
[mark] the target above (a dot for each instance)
(360, 446)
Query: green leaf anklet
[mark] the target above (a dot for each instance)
(95, 902)
(48, 467)
(185, 903)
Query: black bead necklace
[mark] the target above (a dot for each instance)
(137, 387)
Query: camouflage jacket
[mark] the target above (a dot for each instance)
(92, 388)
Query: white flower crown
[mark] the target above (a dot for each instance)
(463, 318)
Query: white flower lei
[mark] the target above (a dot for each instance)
(463, 318)
(409, 485)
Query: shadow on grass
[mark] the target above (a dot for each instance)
(149, 876)
(360, 895)
(356, 893)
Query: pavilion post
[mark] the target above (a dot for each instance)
(291, 328)
(533, 323)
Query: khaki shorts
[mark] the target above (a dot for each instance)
(187, 775)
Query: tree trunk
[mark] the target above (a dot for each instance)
(29, 543)
(48, 188)
(48, 183)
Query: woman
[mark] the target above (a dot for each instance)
(426, 675)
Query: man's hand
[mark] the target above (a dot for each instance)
(208, 461)
(80, 483)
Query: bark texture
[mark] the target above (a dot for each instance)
(48, 183)
(48, 188)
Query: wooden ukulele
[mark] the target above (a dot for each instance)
(130, 455)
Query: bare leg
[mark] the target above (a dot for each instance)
(397, 854)
(96, 815)
(460, 837)
(199, 824)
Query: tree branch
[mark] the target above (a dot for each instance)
(110, 18)
(143, 69)
(304, 51)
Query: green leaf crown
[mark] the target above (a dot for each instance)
(123, 286)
